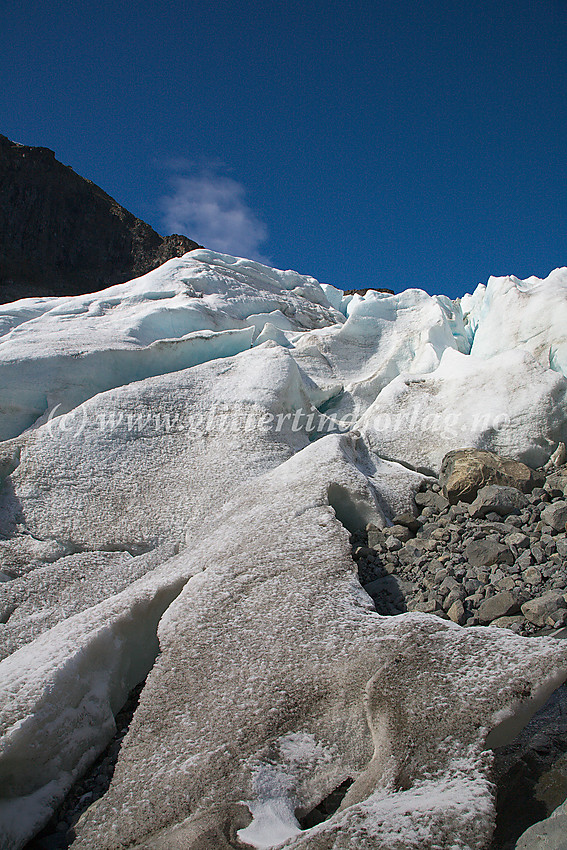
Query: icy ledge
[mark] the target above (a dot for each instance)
(276, 682)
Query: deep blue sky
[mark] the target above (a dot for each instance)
(396, 143)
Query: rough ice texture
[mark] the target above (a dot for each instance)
(275, 639)
(527, 314)
(383, 336)
(192, 309)
(509, 404)
(176, 516)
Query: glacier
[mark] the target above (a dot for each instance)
(182, 460)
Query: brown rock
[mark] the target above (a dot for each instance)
(457, 613)
(465, 471)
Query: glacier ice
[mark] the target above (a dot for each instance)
(192, 309)
(508, 404)
(531, 315)
(275, 639)
(168, 506)
(383, 336)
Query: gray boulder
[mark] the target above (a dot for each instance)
(485, 553)
(497, 499)
(555, 515)
(502, 604)
(539, 609)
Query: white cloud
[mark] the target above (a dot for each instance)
(212, 209)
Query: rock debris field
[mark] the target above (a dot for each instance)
(500, 560)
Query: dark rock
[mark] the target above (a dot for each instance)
(430, 606)
(368, 289)
(537, 553)
(430, 499)
(502, 604)
(399, 531)
(555, 515)
(62, 235)
(408, 520)
(498, 499)
(485, 553)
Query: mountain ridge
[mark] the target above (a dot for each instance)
(61, 234)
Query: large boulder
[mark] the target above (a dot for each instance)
(498, 499)
(465, 471)
(549, 834)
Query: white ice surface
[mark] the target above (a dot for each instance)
(508, 404)
(275, 681)
(275, 639)
(530, 314)
(192, 309)
(383, 336)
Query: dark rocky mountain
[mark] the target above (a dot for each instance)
(368, 289)
(60, 234)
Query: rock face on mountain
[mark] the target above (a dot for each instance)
(62, 235)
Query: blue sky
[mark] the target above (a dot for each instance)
(367, 143)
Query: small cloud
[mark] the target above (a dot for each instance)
(211, 208)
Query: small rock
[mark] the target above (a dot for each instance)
(555, 515)
(537, 610)
(430, 606)
(532, 575)
(408, 520)
(525, 560)
(399, 531)
(362, 552)
(508, 622)
(429, 499)
(518, 539)
(457, 613)
(502, 604)
(557, 619)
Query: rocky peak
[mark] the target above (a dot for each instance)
(61, 234)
